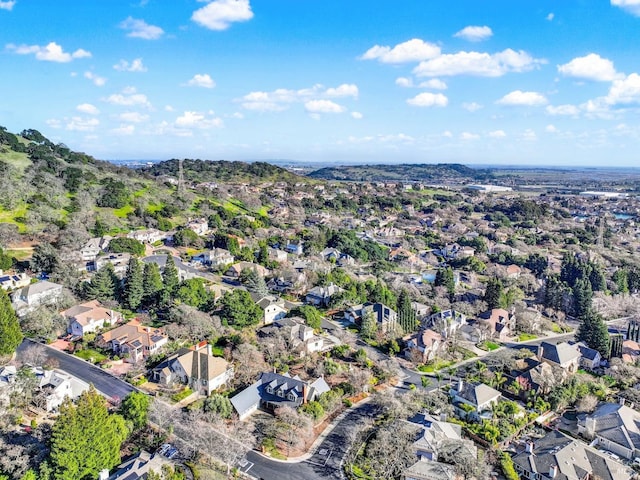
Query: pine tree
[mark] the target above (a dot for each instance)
(493, 293)
(582, 296)
(152, 283)
(133, 287)
(10, 333)
(86, 438)
(170, 279)
(445, 278)
(254, 282)
(104, 284)
(406, 313)
(594, 332)
(368, 326)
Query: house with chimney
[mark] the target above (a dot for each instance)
(499, 323)
(424, 344)
(563, 355)
(614, 427)
(446, 322)
(479, 396)
(134, 341)
(35, 295)
(89, 317)
(273, 390)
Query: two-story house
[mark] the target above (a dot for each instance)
(89, 317)
(35, 295)
(479, 396)
(562, 355)
(133, 340)
(273, 308)
(615, 427)
(321, 296)
(427, 343)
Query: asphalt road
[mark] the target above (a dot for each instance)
(326, 463)
(104, 382)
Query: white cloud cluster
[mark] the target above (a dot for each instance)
(197, 120)
(135, 65)
(520, 98)
(124, 130)
(203, 80)
(52, 52)
(97, 80)
(280, 99)
(414, 50)
(631, 6)
(138, 28)
(8, 5)
(129, 97)
(471, 106)
(80, 124)
(567, 109)
(433, 83)
(428, 99)
(590, 67)
(624, 91)
(323, 106)
(474, 33)
(497, 134)
(88, 108)
(133, 117)
(479, 64)
(220, 14)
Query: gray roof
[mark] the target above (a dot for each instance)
(478, 393)
(618, 424)
(139, 466)
(560, 353)
(39, 287)
(427, 470)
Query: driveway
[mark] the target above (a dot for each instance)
(104, 382)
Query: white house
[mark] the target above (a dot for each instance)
(34, 295)
(477, 395)
(273, 307)
(89, 317)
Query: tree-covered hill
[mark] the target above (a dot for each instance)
(222, 171)
(433, 173)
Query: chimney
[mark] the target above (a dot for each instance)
(621, 400)
(529, 447)
(540, 352)
(305, 392)
(460, 384)
(443, 417)
(209, 350)
(104, 474)
(553, 471)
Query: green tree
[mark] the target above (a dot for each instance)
(29, 475)
(621, 279)
(219, 404)
(152, 283)
(133, 286)
(170, 279)
(238, 309)
(314, 409)
(406, 313)
(445, 278)
(312, 316)
(594, 332)
(582, 297)
(85, 438)
(187, 238)
(193, 292)
(103, 285)
(135, 408)
(126, 245)
(45, 258)
(254, 282)
(10, 333)
(493, 293)
(6, 261)
(368, 326)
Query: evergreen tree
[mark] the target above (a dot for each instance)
(621, 279)
(170, 279)
(133, 287)
(10, 333)
(368, 326)
(406, 312)
(593, 331)
(152, 283)
(254, 282)
(134, 408)
(493, 293)
(85, 438)
(104, 284)
(582, 296)
(445, 278)
(597, 278)
(239, 310)
(262, 255)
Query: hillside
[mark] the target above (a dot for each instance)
(222, 171)
(432, 173)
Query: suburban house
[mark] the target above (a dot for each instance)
(427, 342)
(273, 390)
(35, 295)
(386, 317)
(133, 340)
(119, 261)
(54, 386)
(615, 427)
(218, 257)
(513, 271)
(236, 269)
(195, 367)
(277, 255)
(150, 235)
(11, 282)
(89, 317)
(557, 456)
(321, 296)
(199, 225)
(137, 467)
(273, 307)
(428, 470)
(330, 254)
(94, 247)
(562, 355)
(475, 394)
(589, 358)
(185, 272)
(534, 376)
(499, 323)
(296, 333)
(434, 433)
(446, 322)
(294, 247)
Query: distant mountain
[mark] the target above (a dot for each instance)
(221, 171)
(432, 173)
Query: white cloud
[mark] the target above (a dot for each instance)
(434, 83)
(52, 52)
(124, 130)
(140, 29)
(220, 14)
(97, 80)
(590, 67)
(8, 5)
(128, 97)
(479, 64)
(550, 16)
(344, 90)
(192, 120)
(356, 115)
(529, 135)
(414, 50)
(624, 91)
(428, 99)
(447, 134)
(563, 110)
(201, 80)
(550, 129)
(136, 65)
(80, 124)
(133, 117)
(520, 98)
(404, 82)
(472, 106)
(631, 6)
(88, 109)
(168, 108)
(237, 115)
(469, 136)
(497, 134)
(323, 106)
(54, 123)
(474, 33)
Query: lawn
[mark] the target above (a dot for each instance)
(19, 160)
(487, 345)
(123, 212)
(21, 254)
(433, 367)
(91, 355)
(14, 216)
(524, 337)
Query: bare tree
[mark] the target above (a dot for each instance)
(293, 428)
(249, 363)
(389, 452)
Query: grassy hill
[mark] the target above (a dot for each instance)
(432, 173)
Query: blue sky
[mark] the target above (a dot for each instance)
(504, 82)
